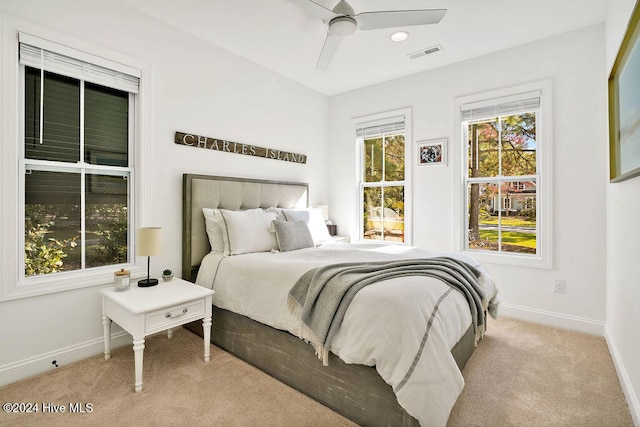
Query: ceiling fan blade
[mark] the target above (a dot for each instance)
(398, 18)
(315, 9)
(329, 49)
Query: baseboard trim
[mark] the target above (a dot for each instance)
(42, 363)
(558, 320)
(627, 387)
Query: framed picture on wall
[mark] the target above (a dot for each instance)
(624, 105)
(432, 152)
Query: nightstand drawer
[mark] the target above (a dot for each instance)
(173, 316)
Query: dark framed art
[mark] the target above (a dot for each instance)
(624, 106)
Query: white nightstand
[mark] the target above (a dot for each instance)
(144, 311)
(340, 239)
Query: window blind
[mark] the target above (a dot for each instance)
(49, 56)
(58, 100)
(501, 106)
(379, 127)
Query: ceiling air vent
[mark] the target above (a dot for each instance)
(425, 52)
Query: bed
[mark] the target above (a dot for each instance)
(251, 321)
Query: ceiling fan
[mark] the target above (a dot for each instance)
(343, 21)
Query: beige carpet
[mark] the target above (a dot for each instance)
(523, 374)
(520, 375)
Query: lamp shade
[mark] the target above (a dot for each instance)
(325, 211)
(149, 241)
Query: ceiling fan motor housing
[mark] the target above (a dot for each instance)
(342, 26)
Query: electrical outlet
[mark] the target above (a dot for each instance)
(559, 286)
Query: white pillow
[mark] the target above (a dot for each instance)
(315, 222)
(278, 212)
(318, 226)
(245, 232)
(212, 219)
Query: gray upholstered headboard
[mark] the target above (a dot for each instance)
(203, 191)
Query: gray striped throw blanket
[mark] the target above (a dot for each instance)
(322, 295)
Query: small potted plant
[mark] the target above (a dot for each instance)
(167, 275)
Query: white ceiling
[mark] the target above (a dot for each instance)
(286, 39)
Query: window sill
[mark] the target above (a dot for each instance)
(515, 260)
(61, 282)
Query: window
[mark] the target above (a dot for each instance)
(76, 160)
(384, 192)
(505, 206)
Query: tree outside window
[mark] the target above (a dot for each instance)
(502, 183)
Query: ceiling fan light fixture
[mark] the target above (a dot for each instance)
(399, 36)
(342, 26)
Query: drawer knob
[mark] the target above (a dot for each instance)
(169, 316)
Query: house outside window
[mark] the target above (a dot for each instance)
(384, 193)
(76, 161)
(505, 184)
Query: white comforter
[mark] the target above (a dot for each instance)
(402, 327)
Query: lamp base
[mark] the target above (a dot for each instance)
(145, 283)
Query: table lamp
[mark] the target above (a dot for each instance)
(148, 243)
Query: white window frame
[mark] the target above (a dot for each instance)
(364, 121)
(14, 284)
(544, 256)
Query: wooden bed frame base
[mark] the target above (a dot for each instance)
(354, 391)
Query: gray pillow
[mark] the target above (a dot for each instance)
(296, 215)
(292, 235)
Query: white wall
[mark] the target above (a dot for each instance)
(623, 250)
(575, 63)
(197, 88)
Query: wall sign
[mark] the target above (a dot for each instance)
(205, 142)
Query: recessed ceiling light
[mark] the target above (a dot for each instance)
(399, 36)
